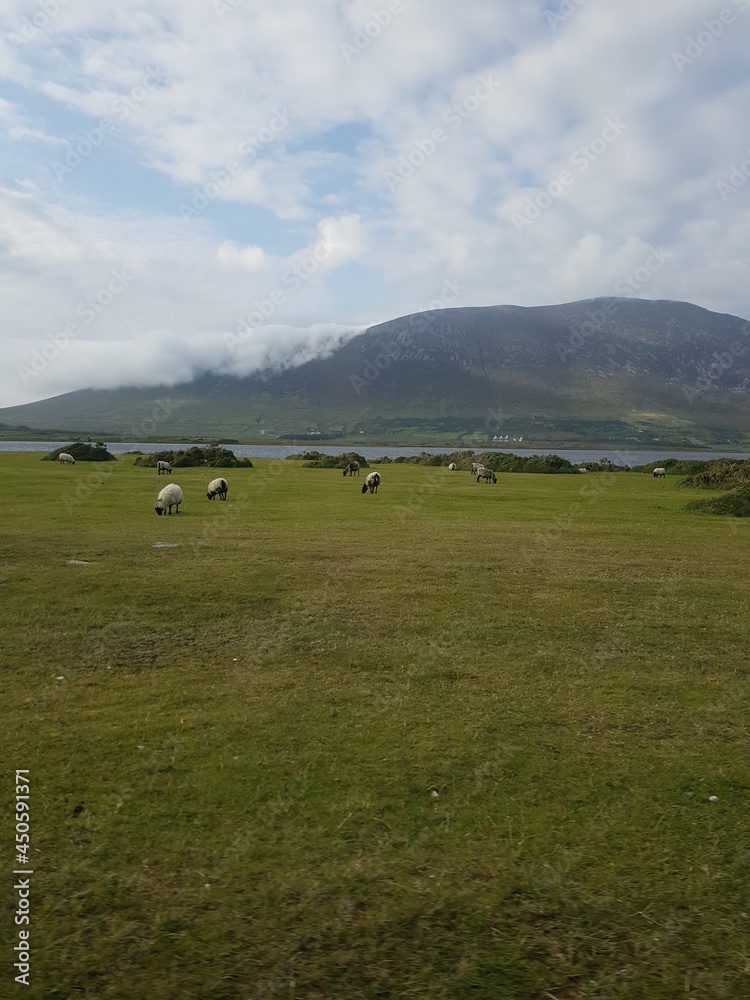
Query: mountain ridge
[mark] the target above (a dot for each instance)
(595, 371)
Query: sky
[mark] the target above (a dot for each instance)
(225, 185)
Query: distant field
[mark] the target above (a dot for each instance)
(455, 740)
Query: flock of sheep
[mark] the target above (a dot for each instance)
(371, 482)
(478, 470)
(171, 495)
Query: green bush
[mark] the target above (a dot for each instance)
(316, 460)
(735, 503)
(720, 472)
(212, 457)
(548, 464)
(710, 473)
(83, 452)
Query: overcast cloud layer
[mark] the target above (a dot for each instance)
(225, 184)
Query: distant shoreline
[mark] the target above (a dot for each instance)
(621, 456)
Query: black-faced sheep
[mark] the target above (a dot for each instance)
(65, 459)
(452, 467)
(659, 473)
(352, 468)
(163, 467)
(217, 487)
(487, 475)
(372, 482)
(169, 497)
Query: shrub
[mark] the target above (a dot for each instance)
(548, 464)
(735, 503)
(82, 452)
(720, 472)
(315, 460)
(212, 456)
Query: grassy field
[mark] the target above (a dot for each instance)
(455, 740)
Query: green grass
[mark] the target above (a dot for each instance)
(232, 787)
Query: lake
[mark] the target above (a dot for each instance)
(616, 455)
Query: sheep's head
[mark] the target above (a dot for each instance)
(159, 508)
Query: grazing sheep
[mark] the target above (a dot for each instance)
(351, 468)
(163, 467)
(487, 475)
(170, 496)
(217, 486)
(372, 482)
(659, 473)
(452, 467)
(476, 468)
(65, 459)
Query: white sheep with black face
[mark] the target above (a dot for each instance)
(65, 459)
(164, 467)
(169, 497)
(217, 487)
(371, 483)
(452, 467)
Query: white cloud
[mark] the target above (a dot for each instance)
(250, 257)
(341, 202)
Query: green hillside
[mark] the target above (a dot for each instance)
(602, 371)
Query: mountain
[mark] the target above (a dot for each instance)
(609, 371)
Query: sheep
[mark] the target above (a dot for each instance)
(487, 474)
(476, 468)
(169, 497)
(163, 467)
(217, 486)
(65, 459)
(452, 467)
(659, 473)
(351, 468)
(372, 482)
